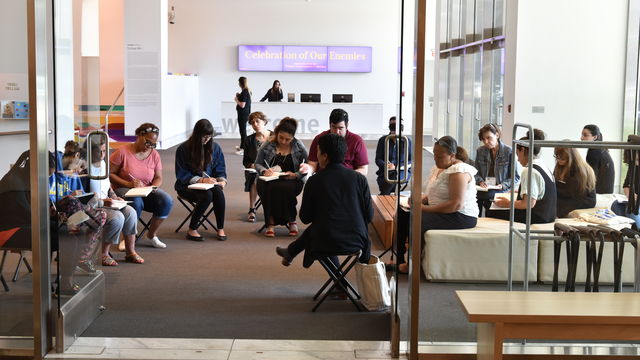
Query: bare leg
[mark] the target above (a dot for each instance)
(253, 195)
(130, 244)
(154, 224)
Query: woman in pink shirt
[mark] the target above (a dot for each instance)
(138, 165)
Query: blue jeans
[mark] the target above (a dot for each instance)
(620, 208)
(157, 202)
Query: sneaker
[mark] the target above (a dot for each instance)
(155, 242)
(284, 253)
(240, 152)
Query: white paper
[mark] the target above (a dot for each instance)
(201, 186)
(251, 170)
(506, 195)
(140, 191)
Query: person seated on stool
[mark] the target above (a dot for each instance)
(252, 144)
(200, 160)
(356, 157)
(396, 156)
(337, 204)
(543, 188)
(279, 196)
(493, 161)
(450, 198)
(138, 165)
(122, 221)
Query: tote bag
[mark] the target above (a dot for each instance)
(373, 286)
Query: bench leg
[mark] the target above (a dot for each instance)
(489, 338)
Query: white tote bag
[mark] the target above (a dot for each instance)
(372, 284)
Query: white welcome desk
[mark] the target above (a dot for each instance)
(313, 118)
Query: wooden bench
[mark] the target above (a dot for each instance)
(544, 315)
(384, 210)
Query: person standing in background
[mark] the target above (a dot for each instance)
(600, 161)
(395, 156)
(243, 108)
(273, 94)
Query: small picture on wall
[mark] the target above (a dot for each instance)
(21, 110)
(8, 109)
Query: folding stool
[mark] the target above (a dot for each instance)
(337, 278)
(190, 206)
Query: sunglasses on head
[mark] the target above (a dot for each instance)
(148, 130)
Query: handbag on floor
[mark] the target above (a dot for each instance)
(373, 286)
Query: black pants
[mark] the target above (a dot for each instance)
(385, 187)
(279, 200)
(484, 200)
(203, 198)
(243, 119)
(430, 221)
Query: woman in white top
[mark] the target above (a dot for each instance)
(449, 201)
(118, 221)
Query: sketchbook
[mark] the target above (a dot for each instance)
(140, 191)
(202, 186)
(489, 187)
(276, 175)
(506, 195)
(117, 204)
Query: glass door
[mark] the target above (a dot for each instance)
(16, 260)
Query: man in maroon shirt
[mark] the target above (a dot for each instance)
(356, 157)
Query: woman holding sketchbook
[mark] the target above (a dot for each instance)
(121, 218)
(278, 163)
(493, 161)
(252, 143)
(138, 165)
(201, 176)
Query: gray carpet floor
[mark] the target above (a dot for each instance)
(238, 288)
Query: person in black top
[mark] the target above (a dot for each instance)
(243, 108)
(396, 156)
(600, 161)
(252, 143)
(273, 94)
(281, 156)
(575, 181)
(543, 189)
(621, 207)
(337, 204)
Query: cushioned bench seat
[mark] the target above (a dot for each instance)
(477, 254)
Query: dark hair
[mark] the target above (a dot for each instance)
(448, 143)
(258, 115)
(537, 135)
(288, 125)
(243, 82)
(201, 155)
(334, 146)
(52, 160)
(595, 131)
(493, 128)
(462, 154)
(338, 116)
(275, 91)
(147, 128)
(393, 122)
(71, 144)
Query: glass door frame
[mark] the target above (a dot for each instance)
(41, 98)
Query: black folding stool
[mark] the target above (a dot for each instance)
(338, 278)
(190, 206)
(21, 260)
(145, 227)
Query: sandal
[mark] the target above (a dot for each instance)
(252, 215)
(134, 258)
(270, 232)
(108, 261)
(293, 229)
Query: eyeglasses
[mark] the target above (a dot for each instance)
(206, 138)
(150, 145)
(149, 130)
(560, 157)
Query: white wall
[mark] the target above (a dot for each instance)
(13, 62)
(206, 34)
(571, 60)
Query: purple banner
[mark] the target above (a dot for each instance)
(304, 58)
(260, 57)
(349, 59)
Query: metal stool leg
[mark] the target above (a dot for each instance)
(338, 279)
(4, 283)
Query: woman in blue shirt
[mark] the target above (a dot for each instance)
(200, 160)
